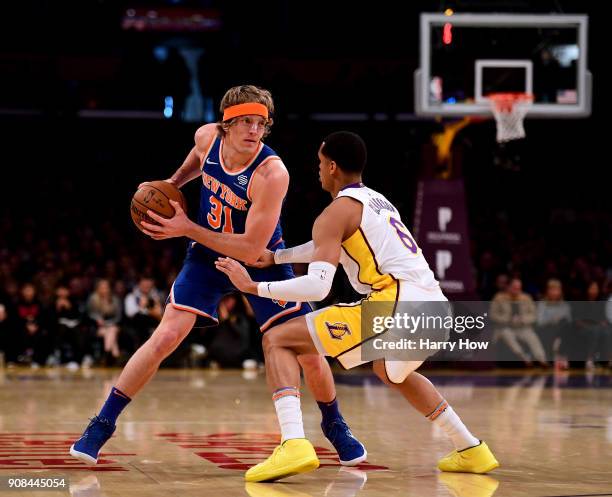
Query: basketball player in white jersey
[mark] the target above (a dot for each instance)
(363, 231)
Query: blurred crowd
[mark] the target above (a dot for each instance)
(106, 326)
(80, 299)
(75, 301)
(553, 330)
(74, 271)
(79, 286)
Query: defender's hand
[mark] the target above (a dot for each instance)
(237, 274)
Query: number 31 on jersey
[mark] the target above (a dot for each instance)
(220, 214)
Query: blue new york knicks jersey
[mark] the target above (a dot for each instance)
(224, 204)
(226, 196)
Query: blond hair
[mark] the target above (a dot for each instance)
(241, 95)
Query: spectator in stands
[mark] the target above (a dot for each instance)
(143, 310)
(230, 342)
(6, 331)
(120, 289)
(104, 308)
(67, 320)
(501, 282)
(554, 319)
(514, 314)
(591, 323)
(34, 341)
(79, 292)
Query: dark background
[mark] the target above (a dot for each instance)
(539, 209)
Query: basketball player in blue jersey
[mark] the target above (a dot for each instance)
(244, 184)
(363, 231)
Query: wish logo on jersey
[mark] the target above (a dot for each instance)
(242, 183)
(338, 330)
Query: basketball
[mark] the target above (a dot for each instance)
(155, 196)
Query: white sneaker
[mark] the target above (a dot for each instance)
(249, 364)
(72, 366)
(198, 349)
(53, 360)
(87, 361)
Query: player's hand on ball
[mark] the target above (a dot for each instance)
(169, 180)
(237, 273)
(178, 225)
(265, 260)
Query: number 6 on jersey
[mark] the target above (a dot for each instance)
(404, 235)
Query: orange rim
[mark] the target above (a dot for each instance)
(504, 102)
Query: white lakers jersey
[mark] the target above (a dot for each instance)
(382, 249)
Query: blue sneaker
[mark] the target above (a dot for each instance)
(350, 450)
(86, 448)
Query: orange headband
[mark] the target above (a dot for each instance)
(245, 110)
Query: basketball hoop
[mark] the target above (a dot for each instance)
(510, 110)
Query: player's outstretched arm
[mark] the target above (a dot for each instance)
(299, 253)
(329, 230)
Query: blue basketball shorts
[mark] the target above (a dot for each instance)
(200, 286)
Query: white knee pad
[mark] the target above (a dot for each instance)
(398, 371)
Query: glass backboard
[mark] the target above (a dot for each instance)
(465, 57)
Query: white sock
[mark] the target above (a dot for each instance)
(289, 416)
(445, 418)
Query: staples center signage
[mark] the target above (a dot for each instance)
(440, 227)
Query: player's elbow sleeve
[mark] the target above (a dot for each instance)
(316, 292)
(321, 275)
(301, 253)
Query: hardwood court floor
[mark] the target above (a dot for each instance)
(193, 433)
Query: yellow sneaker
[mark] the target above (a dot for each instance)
(469, 485)
(478, 459)
(290, 458)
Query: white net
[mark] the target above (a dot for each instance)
(510, 110)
